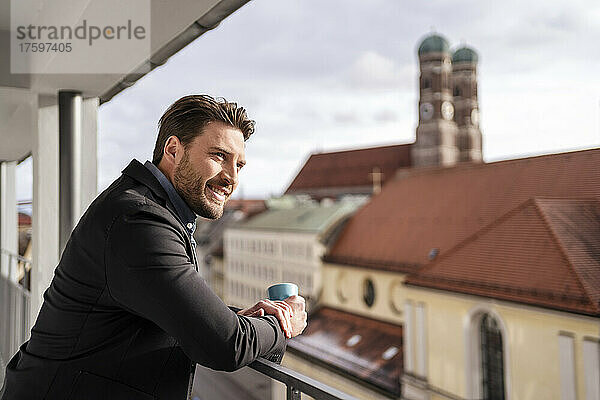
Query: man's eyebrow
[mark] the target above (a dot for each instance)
(213, 148)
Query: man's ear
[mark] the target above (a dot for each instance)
(172, 147)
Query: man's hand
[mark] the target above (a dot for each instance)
(298, 320)
(280, 309)
(291, 313)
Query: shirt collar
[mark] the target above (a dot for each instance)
(184, 212)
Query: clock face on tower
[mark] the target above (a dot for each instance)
(426, 111)
(447, 110)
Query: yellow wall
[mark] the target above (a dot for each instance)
(531, 353)
(343, 289)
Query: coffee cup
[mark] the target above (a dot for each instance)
(282, 291)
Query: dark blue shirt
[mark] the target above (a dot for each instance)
(184, 212)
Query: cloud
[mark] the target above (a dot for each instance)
(371, 70)
(345, 118)
(343, 73)
(386, 115)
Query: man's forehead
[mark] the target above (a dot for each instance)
(223, 136)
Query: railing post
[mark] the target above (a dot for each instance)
(293, 393)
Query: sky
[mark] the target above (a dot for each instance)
(331, 75)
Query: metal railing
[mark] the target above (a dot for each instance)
(14, 307)
(297, 383)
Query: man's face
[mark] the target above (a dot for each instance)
(207, 173)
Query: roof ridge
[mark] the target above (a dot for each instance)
(471, 238)
(565, 253)
(582, 198)
(411, 171)
(565, 153)
(361, 149)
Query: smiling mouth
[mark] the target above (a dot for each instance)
(218, 193)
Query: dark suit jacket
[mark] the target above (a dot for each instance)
(127, 314)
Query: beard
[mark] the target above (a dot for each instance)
(191, 186)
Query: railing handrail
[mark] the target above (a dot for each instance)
(13, 260)
(15, 256)
(298, 383)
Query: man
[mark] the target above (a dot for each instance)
(127, 315)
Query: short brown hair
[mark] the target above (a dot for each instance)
(189, 115)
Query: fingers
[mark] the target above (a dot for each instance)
(285, 305)
(296, 302)
(295, 299)
(249, 311)
(303, 316)
(290, 312)
(258, 313)
(282, 314)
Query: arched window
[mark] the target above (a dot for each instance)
(492, 359)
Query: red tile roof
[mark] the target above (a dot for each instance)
(439, 208)
(545, 252)
(349, 169)
(326, 341)
(24, 219)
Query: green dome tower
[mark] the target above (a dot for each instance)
(464, 91)
(436, 132)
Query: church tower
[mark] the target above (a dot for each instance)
(464, 82)
(437, 132)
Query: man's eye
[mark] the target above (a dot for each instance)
(220, 155)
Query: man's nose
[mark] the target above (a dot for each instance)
(230, 174)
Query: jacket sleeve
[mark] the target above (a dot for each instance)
(149, 273)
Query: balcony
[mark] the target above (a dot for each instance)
(15, 325)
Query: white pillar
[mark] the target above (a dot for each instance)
(45, 251)
(45, 246)
(89, 153)
(9, 234)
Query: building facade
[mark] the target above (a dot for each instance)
(209, 239)
(283, 244)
